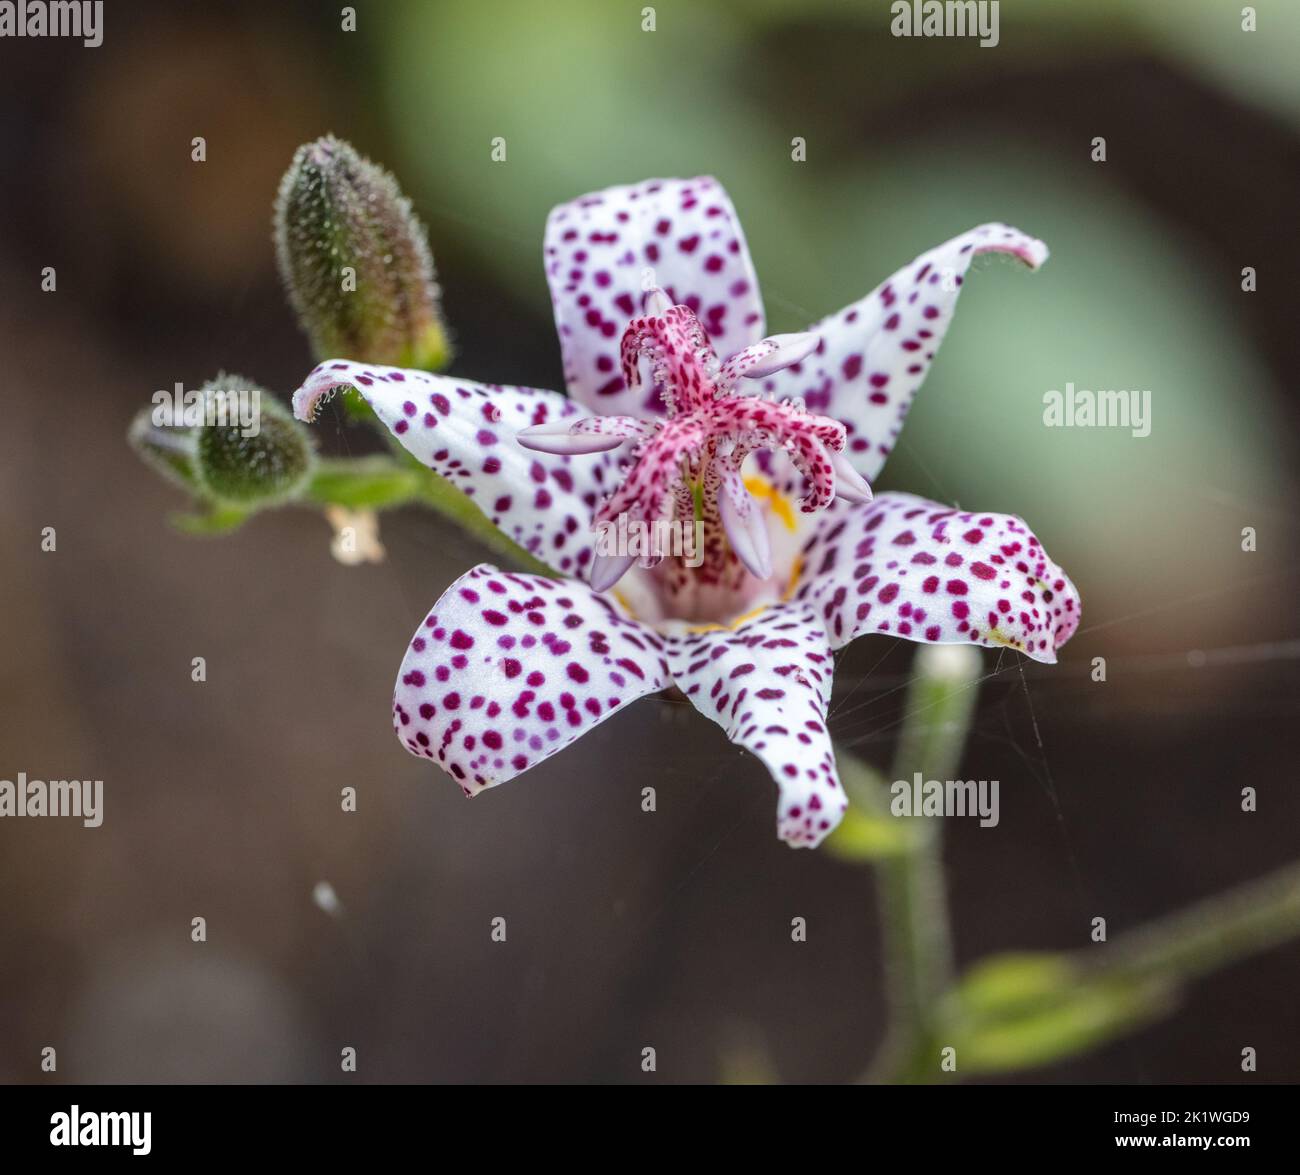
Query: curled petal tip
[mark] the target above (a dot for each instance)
(317, 388)
(607, 570)
(1004, 239)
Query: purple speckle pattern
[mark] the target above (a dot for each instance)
(466, 432)
(874, 354)
(597, 249)
(507, 669)
(903, 566)
(767, 683)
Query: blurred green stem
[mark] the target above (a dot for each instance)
(1017, 1011)
(918, 956)
(914, 905)
(1206, 936)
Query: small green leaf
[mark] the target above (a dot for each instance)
(217, 520)
(1017, 1011)
(864, 784)
(167, 451)
(868, 831)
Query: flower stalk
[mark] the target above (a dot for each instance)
(1020, 1010)
(1205, 937)
(914, 906)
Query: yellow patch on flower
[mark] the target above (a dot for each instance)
(796, 570)
(732, 625)
(764, 491)
(623, 601)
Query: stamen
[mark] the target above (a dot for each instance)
(656, 303)
(766, 356)
(686, 465)
(607, 570)
(745, 526)
(595, 434)
(849, 483)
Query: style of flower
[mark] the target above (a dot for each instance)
(650, 283)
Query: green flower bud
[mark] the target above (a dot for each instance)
(249, 451)
(355, 261)
(166, 450)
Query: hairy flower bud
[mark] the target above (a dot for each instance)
(249, 451)
(355, 261)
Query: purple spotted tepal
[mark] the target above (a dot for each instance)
(509, 668)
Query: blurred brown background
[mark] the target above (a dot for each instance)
(627, 929)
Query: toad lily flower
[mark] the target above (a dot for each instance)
(507, 669)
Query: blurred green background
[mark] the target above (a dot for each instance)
(628, 929)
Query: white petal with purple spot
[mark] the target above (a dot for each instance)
(903, 566)
(875, 353)
(597, 251)
(466, 432)
(766, 683)
(507, 669)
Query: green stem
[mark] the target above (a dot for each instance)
(381, 482)
(918, 957)
(914, 906)
(1021, 1010)
(1206, 936)
(359, 483)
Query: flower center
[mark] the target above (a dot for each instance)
(685, 468)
